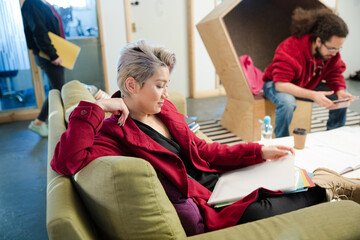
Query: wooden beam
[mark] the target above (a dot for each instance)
(128, 21)
(191, 47)
(101, 40)
(18, 115)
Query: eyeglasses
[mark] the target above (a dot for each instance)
(334, 50)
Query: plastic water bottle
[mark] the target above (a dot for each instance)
(266, 130)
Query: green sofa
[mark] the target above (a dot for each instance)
(119, 197)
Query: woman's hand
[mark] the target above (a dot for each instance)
(116, 106)
(275, 152)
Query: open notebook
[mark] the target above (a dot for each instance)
(272, 175)
(336, 149)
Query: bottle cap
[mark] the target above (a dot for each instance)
(267, 120)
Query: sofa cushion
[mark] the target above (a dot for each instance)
(72, 93)
(331, 220)
(126, 199)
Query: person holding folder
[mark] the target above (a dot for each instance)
(39, 18)
(145, 124)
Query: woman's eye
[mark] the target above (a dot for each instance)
(159, 86)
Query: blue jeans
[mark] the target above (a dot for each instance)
(285, 107)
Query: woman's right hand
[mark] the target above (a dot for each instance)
(274, 152)
(116, 106)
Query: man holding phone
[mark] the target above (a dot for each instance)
(308, 65)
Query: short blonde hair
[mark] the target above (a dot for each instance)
(140, 61)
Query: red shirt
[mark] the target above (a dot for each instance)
(89, 136)
(293, 62)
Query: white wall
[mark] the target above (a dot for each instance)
(349, 10)
(164, 22)
(204, 68)
(114, 33)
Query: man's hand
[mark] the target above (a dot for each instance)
(275, 152)
(116, 106)
(320, 98)
(341, 94)
(57, 61)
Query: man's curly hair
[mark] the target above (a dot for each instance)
(320, 22)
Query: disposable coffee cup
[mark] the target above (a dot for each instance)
(299, 138)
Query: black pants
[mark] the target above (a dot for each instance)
(266, 206)
(56, 75)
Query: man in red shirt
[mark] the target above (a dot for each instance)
(308, 65)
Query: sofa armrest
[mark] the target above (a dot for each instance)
(66, 217)
(126, 199)
(331, 220)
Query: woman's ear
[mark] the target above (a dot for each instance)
(131, 85)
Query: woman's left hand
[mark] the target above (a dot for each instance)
(116, 106)
(275, 152)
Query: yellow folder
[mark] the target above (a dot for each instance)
(67, 51)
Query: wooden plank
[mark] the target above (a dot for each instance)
(128, 21)
(241, 118)
(225, 59)
(259, 114)
(221, 10)
(301, 118)
(210, 93)
(191, 47)
(101, 39)
(18, 115)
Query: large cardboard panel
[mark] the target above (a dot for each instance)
(248, 27)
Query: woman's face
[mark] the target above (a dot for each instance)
(152, 95)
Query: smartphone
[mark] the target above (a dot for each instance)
(341, 103)
(342, 100)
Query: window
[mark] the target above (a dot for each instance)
(66, 4)
(16, 85)
(79, 17)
